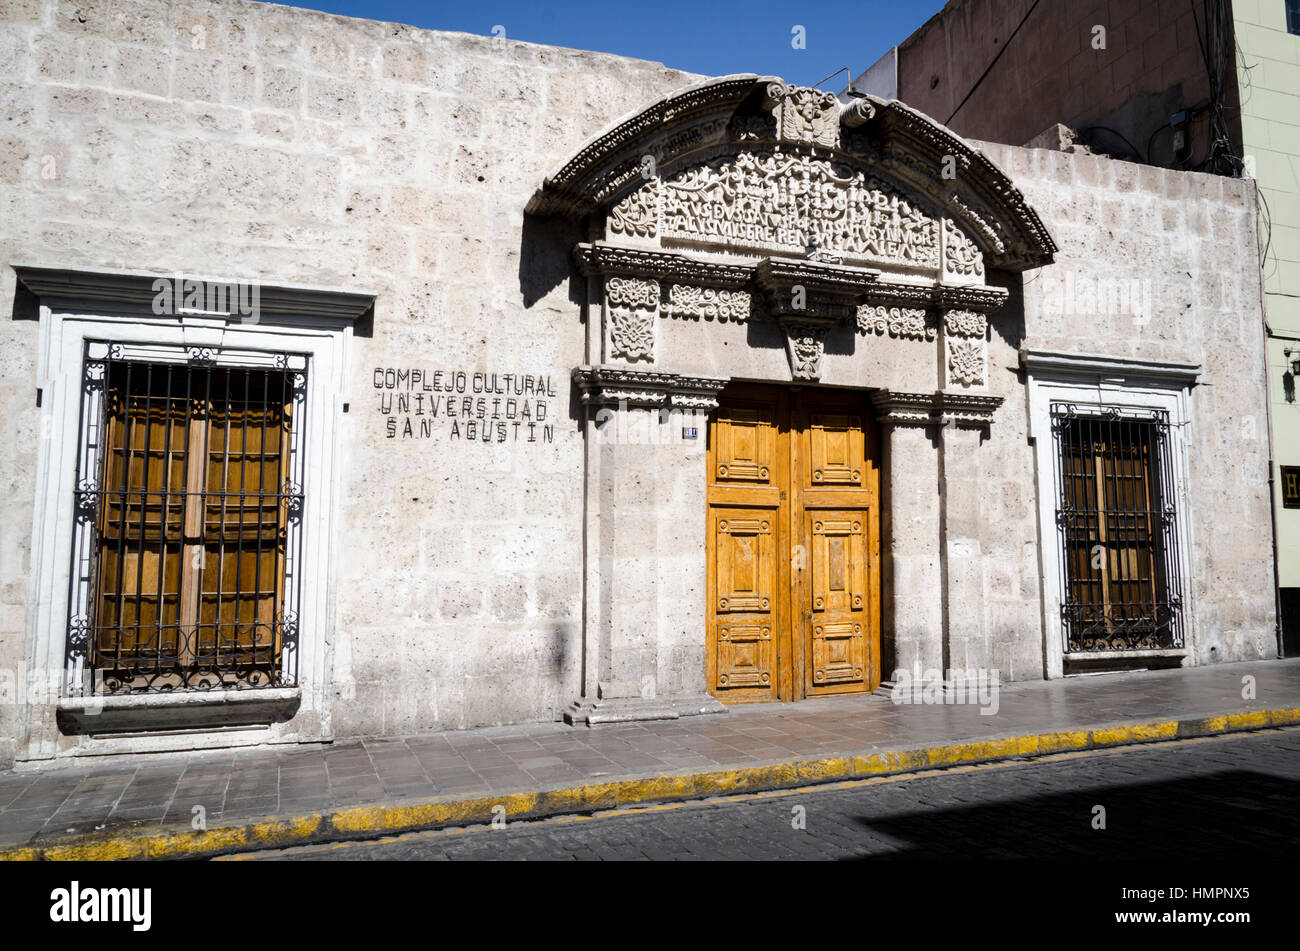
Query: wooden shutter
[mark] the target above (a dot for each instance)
(192, 526)
(1119, 560)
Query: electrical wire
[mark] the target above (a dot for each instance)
(1131, 147)
(1268, 225)
(990, 66)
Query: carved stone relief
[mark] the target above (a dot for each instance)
(632, 335)
(905, 322)
(632, 292)
(774, 200)
(966, 359)
(809, 115)
(707, 303)
(636, 216)
(613, 386)
(631, 321)
(961, 259)
(965, 323)
(806, 345)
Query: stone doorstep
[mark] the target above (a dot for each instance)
(632, 709)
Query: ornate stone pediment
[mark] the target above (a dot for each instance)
(744, 199)
(748, 162)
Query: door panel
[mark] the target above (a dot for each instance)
(746, 544)
(793, 545)
(837, 586)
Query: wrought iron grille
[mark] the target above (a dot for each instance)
(1117, 522)
(188, 505)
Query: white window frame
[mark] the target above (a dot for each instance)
(1094, 382)
(80, 307)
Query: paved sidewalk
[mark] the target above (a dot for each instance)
(144, 806)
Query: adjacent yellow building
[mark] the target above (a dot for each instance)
(1268, 75)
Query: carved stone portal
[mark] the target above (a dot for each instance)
(746, 200)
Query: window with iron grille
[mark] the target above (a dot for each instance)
(188, 507)
(1116, 517)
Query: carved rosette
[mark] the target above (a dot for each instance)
(632, 335)
(706, 303)
(967, 357)
(965, 323)
(632, 303)
(903, 322)
(806, 345)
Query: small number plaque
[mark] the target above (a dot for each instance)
(1291, 487)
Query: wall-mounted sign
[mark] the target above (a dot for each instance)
(1291, 487)
(461, 405)
(690, 432)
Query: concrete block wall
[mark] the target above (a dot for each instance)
(1053, 70)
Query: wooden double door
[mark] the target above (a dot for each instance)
(793, 541)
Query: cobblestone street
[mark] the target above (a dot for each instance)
(1214, 798)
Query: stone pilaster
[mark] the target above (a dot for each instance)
(965, 633)
(913, 582)
(643, 637)
(933, 608)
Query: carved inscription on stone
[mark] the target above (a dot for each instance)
(906, 322)
(483, 407)
(775, 200)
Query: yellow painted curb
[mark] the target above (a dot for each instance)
(368, 821)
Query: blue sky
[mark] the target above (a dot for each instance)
(702, 36)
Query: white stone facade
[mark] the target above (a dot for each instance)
(432, 211)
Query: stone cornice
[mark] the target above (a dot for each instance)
(603, 258)
(843, 284)
(613, 156)
(968, 410)
(137, 289)
(613, 386)
(1084, 366)
(812, 290)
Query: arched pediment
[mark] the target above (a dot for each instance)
(750, 165)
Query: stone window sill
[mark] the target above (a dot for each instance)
(182, 710)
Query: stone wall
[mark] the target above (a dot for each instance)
(261, 142)
(1185, 242)
(264, 143)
